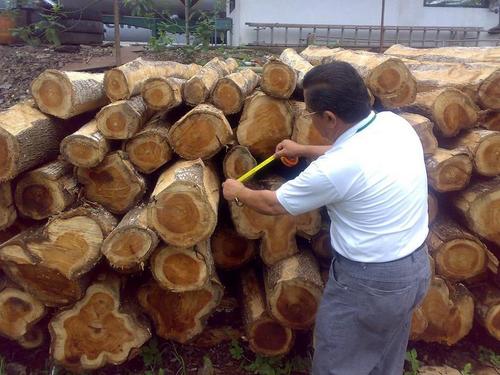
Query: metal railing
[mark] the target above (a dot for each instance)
(368, 36)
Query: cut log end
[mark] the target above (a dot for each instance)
(19, 311)
(115, 84)
(129, 248)
(269, 338)
(179, 316)
(95, 332)
(449, 170)
(487, 156)
(296, 305)
(489, 91)
(149, 152)
(8, 213)
(278, 79)
(53, 93)
(237, 162)
(490, 120)
(162, 94)
(230, 250)
(118, 121)
(461, 259)
(453, 111)
(34, 338)
(82, 152)
(227, 96)
(195, 91)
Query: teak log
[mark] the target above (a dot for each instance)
(96, 331)
(386, 77)
(19, 312)
(163, 94)
(483, 147)
(29, 138)
(479, 206)
(321, 243)
(458, 255)
(67, 94)
(487, 307)
(149, 149)
(264, 123)
(278, 79)
(114, 183)
(126, 81)
(449, 109)
(200, 133)
(34, 338)
(265, 335)
(300, 65)
(447, 54)
(130, 244)
(230, 250)
(432, 206)
(47, 190)
(198, 88)
(86, 147)
(293, 289)
(231, 91)
(447, 311)
(449, 170)
(8, 212)
(304, 131)
(423, 127)
(277, 232)
(184, 203)
(179, 316)
(124, 118)
(49, 261)
(182, 269)
(489, 120)
(237, 161)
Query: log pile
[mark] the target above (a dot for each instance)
(113, 228)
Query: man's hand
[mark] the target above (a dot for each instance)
(231, 188)
(289, 149)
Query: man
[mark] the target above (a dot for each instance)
(373, 182)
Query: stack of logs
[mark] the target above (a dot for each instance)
(113, 225)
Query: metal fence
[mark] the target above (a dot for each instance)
(368, 36)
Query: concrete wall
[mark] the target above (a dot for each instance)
(350, 12)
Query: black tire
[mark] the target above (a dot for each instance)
(81, 38)
(82, 14)
(82, 26)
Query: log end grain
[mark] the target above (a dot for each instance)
(278, 79)
(116, 85)
(489, 91)
(237, 161)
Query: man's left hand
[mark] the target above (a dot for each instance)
(231, 188)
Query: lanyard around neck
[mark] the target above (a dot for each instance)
(366, 125)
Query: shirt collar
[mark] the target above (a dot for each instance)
(353, 129)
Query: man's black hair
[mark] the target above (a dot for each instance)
(337, 87)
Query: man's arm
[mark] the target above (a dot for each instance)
(263, 201)
(292, 149)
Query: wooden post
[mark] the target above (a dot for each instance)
(381, 47)
(187, 4)
(118, 54)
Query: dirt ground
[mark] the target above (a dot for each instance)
(18, 67)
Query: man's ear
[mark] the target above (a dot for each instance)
(330, 117)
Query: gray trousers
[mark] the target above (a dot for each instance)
(363, 322)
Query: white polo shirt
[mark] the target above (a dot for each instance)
(374, 185)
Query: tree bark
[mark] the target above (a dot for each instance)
(85, 148)
(199, 87)
(478, 206)
(278, 79)
(293, 289)
(126, 81)
(487, 307)
(201, 133)
(446, 54)
(266, 336)
(438, 370)
(449, 109)
(423, 127)
(179, 316)
(304, 131)
(484, 148)
(163, 94)
(231, 91)
(29, 138)
(130, 244)
(449, 170)
(49, 261)
(238, 161)
(114, 183)
(230, 250)
(387, 77)
(122, 119)
(184, 203)
(449, 312)
(265, 122)
(318, 55)
(149, 149)
(300, 65)
(277, 232)
(46, 191)
(96, 331)
(458, 254)
(67, 94)
(8, 212)
(19, 312)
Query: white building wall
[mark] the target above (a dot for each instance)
(350, 12)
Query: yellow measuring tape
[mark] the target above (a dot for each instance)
(287, 161)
